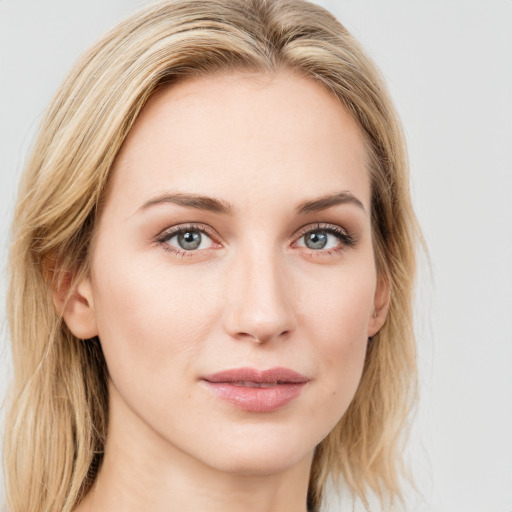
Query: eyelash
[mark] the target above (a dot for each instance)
(164, 237)
(346, 239)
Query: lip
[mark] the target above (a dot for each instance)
(256, 390)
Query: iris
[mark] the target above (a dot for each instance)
(316, 239)
(189, 240)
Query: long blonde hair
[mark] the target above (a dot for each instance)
(57, 422)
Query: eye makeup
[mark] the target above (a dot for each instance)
(345, 238)
(190, 239)
(193, 238)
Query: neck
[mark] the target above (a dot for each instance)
(143, 471)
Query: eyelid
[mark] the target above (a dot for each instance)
(345, 237)
(171, 231)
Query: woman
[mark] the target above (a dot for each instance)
(212, 271)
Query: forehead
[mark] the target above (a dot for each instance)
(266, 134)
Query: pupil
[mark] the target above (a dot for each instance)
(316, 240)
(189, 240)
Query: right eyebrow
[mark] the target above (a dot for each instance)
(328, 201)
(199, 202)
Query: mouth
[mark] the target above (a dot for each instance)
(254, 390)
(249, 384)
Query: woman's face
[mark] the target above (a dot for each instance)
(233, 282)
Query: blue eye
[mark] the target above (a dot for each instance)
(316, 239)
(187, 239)
(325, 238)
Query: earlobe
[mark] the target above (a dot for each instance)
(77, 308)
(381, 307)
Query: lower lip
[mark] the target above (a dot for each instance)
(257, 399)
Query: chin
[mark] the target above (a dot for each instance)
(259, 462)
(261, 453)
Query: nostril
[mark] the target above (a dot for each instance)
(262, 337)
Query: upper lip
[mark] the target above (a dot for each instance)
(276, 375)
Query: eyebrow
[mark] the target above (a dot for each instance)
(325, 202)
(225, 208)
(192, 201)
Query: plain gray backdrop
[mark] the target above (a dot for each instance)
(449, 68)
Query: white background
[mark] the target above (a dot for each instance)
(449, 67)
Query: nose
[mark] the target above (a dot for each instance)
(259, 304)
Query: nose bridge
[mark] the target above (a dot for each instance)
(259, 304)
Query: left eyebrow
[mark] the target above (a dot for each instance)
(325, 202)
(192, 201)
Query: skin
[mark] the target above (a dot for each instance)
(252, 295)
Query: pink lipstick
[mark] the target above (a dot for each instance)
(257, 391)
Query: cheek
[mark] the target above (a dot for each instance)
(150, 317)
(336, 319)
(340, 308)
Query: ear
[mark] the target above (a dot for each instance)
(381, 306)
(76, 305)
